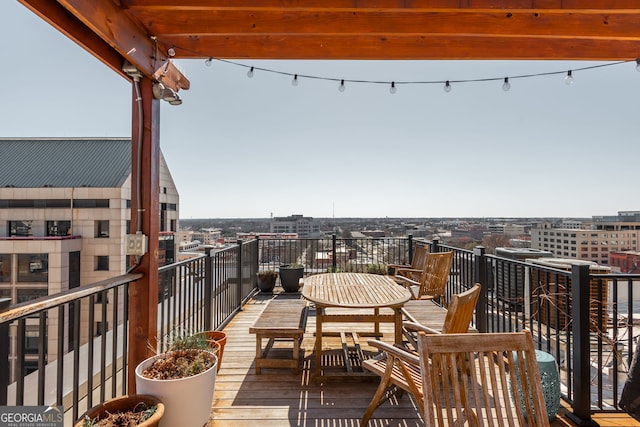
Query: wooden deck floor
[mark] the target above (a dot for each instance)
(277, 397)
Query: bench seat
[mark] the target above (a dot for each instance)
(280, 320)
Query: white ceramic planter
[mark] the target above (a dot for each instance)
(187, 401)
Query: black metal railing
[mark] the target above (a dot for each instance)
(63, 345)
(70, 349)
(592, 340)
(321, 255)
(583, 317)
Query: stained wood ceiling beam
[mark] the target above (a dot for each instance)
(69, 25)
(382, 4)
(485, 22)
(407, 47)
(103, 29)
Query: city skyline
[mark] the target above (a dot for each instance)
(248, 148)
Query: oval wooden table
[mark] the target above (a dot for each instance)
(354, 291)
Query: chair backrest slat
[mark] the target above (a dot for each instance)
(435, 275)
(481, 379)
(460, 311)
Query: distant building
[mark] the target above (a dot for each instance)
(627, 262)
(207, 236)
(374, 233)
(604, 235)
(65, 209)
(252, 235)
(304, 227)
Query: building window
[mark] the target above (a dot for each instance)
(31, 342)
(101, 328)
(174, 225)
(33, 268)
(28, 294)
(102, 228)
(58, 228)
(20, 228)
(5, 292)
(91, 203)
(102, 263)
(5, 267)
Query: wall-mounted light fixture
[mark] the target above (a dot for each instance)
(165, 93)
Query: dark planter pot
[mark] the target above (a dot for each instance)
(266, 284)
(290, 278)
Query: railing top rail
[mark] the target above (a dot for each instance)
(51, 301)
(179, 263)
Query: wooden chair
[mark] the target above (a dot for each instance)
(481, 379)
(414, 270)
(435, 276)
(456, 321)
(400, 368)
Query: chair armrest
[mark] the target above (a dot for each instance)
(409, 270)
(405, 281)
(411, 326)
(399, 265)
(395, 351)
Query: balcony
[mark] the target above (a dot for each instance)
(60, 346)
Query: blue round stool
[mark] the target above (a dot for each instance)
(550, 380)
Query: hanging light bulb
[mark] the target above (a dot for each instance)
(447, 87)
(506, 85)
(392, 89)
(250, 72)
(171, 52)
(342, 87)
(638, 65)
(208, 61)
(294, 82)
(569, 79)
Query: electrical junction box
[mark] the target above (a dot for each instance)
(136, 244)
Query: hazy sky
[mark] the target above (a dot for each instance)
(241, 147)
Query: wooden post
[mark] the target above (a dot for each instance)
(145, 166)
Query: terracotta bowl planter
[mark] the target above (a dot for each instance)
(217, 340)
(123, 404)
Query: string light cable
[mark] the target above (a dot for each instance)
(393, 84)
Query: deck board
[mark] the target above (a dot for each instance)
(277, 397)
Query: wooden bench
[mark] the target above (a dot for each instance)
(280, 320)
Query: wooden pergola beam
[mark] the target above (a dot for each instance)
(408, 47)
(382, 4)
(105, 31)
(56, 15)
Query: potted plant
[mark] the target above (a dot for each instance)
(189, 365)
(377, 269)
(267, 280)
(290, 275)
(130, 410)
(217, 341)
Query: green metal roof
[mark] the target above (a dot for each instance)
(64, 162)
